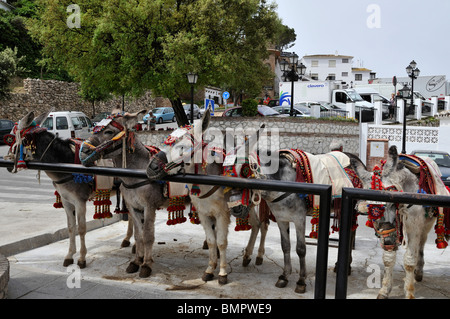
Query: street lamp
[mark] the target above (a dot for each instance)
(192, 79)
(404, 93)
(413, 72)
(292, 71)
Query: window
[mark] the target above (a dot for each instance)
(48, 123)
(331, 63)
(345, 60)
(341, 97)
(76, 123)
(344, 74)
(358, 77)
(315, 76)
(83, 121)
(61, 123)
(331, 77)
(314, 63)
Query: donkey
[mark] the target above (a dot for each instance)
(391, 219)
(211, 203)
(45, 147)
(113, 138)
(288, 207)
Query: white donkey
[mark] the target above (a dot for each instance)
(391, 219)
(211, 202)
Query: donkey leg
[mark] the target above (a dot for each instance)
(222, 243)
(137, 223)
(81, 216)
(264, 227)
(301, 252)
(286, 247)
(210, 234)
(126, 240)
(389, 258)
(148, 236)
(71, 226)
(254, 222)
(420, 258)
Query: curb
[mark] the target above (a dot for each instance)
(48, 238)
(4, 276)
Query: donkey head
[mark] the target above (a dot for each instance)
(108, 137)
(179, 149)
(244, 163)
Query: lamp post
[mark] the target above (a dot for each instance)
(292, 71)
(192, 79)
(404, 93)
(413, 72)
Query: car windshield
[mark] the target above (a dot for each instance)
(355, 96)
(158, 111)
(441, 159)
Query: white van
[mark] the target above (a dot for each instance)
(69, 124)
(370, 95)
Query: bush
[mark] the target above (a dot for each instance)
(249, 107)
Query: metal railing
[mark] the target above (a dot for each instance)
(350, 194)
(324, 191)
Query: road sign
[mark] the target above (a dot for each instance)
(209, 103)
(226, 95)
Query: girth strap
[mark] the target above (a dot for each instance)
(137, 185)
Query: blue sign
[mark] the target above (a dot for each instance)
(226, 95)
(209, 103)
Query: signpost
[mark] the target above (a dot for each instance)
(226, 96)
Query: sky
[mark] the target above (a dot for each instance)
(381, 35)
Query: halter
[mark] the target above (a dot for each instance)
(22, 144)
(105, 147)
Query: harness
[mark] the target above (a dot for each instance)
(391, 235)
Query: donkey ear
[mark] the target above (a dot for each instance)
(41, 118)
(392, 161)
(130, 120)
(206, 119)
(26, 121)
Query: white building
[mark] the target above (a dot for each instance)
(335, 67)
(5, 6)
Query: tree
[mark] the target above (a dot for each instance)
(128, 47)
(9, 67)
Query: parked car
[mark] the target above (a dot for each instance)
(5, 128)
(69, 124)
(162, 114)
(263, 110)
(187, 110)
(442, 159)
(326, 109)
(298, 111)
(99, 117)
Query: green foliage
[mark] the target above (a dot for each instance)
(128, 47)
(9, 67)
(249, 107)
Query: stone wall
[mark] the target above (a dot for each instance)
(314, 136)
(44, 95)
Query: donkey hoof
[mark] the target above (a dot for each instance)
(68, 262)
(145, 272)
(205, 245)
(81, 264)
(380, 296)
(259, 261)
(223, 280)
(125, 243)
(282, 282)
(207, 277)
(418, 276)
(132, 268)
(301, 287)
(246, 261)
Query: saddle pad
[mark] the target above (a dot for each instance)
(335, 163)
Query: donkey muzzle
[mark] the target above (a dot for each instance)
(156, 167)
